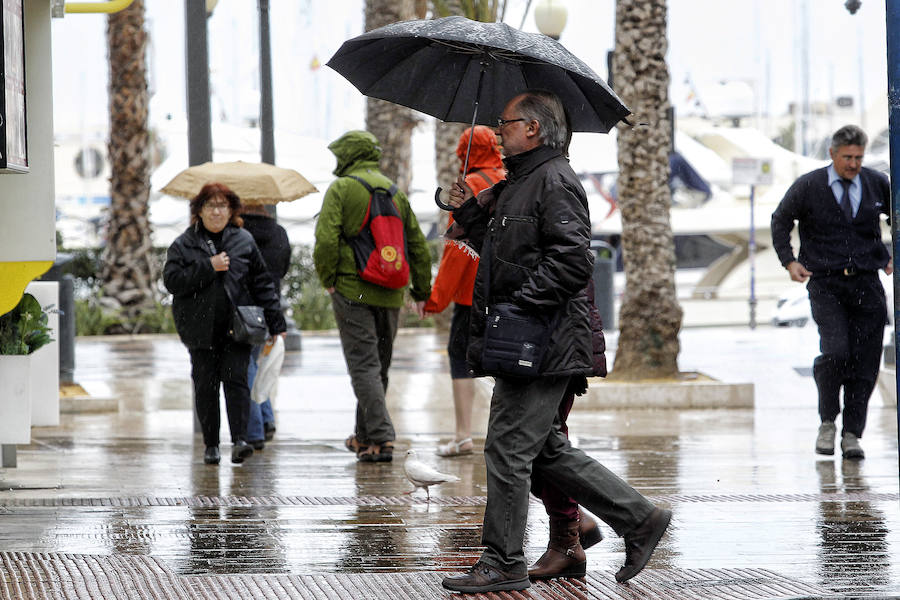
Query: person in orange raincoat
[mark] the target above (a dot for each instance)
(455, 281)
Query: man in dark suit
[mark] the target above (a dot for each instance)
(837, 208)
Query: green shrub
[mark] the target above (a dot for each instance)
(309, 302)
(91, 318)
(158, 319)
(25, 328)
(312, 310)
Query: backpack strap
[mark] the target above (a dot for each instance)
(368, 187)
(371, 190)
(391, 191)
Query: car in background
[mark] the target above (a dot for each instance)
(793, 310)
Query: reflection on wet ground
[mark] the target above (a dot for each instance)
(746, 489)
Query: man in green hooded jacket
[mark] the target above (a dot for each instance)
(366, 313)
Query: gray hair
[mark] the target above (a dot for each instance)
(849, 135)
(547, 109)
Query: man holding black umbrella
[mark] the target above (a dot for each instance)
(536, 252)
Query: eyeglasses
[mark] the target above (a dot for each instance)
(212, 206)
(502, 122)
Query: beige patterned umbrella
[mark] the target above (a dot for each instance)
(254, 183)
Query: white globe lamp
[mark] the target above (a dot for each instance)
(550, 17)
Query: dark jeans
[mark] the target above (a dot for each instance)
(851, 314)
(259, 413)
(525, 436)
(225, 364)
(367, 338)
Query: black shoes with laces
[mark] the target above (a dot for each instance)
(483, 577)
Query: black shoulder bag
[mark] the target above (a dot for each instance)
(248, 322)
(515, 339)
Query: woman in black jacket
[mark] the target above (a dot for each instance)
(211, 267)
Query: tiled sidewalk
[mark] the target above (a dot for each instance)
(119, 504)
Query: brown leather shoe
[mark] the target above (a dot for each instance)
(589, 533)
(640, 543)
(482, 577)
(564, 556)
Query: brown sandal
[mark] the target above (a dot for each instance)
(354, 446)
(377, 453)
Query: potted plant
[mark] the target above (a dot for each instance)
(23, 330)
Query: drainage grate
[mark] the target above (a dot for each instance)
(233, 501)
(73, 576)
(27, 576)
(665, 584)
(835, 497)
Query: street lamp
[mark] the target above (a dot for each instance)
(550, 17)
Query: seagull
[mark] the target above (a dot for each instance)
(422, 475)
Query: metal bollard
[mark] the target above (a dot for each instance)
(66, 333)
(66, 306)
(604, 287)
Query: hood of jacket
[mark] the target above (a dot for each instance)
(354, 147)
(485, 153)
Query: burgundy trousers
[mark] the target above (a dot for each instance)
(557, 503)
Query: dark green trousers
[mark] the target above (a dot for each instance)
(524, 436)
(367, 338)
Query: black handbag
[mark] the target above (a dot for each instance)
(515, 339)
(248, 322)
(248, 325)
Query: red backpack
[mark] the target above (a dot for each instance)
(379, 246)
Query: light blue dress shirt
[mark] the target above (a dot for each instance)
(834, 182)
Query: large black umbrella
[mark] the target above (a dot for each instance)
(465, 71)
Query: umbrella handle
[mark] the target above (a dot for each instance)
(439, 202)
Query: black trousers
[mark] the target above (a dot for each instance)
(851, 314)
(227, 364)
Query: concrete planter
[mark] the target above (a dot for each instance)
(45, 360)
(15, 399)
(694, 391)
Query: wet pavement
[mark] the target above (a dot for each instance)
(119, 504)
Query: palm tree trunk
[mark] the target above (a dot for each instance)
(650, 317)
(391, 123)
(128, 271)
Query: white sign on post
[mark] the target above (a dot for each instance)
(752, 171)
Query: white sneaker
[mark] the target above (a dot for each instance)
(825, 439)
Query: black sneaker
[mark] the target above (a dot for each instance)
(482, 577)
(257, 444)
(269, 429)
